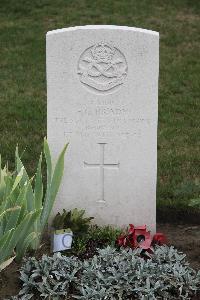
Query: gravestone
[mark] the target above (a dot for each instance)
(102, 89)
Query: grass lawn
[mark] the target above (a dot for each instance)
(23, 25)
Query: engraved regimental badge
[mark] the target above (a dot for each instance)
(102, 67)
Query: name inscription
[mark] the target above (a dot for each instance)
(103, 121)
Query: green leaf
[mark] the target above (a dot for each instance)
(18, 179)
(38, 196)
(195, 202)
(20, 251)
(19, 166)
(30, 197)
(28, 222)
(20, 232)
(38, 191)
(53, 186)
(13, 218)
(21, 199)
(0, 169)
(6, 263)
(48, 162)
(5, 238)
(7, 211)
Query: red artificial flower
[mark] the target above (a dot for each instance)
(139, 237)
(121, 241)
(142, 237)
(131, 229)
(159, 239)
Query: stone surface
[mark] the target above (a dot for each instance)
(102, 84)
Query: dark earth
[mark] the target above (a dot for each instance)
(185, 238)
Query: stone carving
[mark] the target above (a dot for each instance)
(102, 67)
(101, 165)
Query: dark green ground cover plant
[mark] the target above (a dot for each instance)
(23, 27)
(86, 245)
(74, 219)
(86, 237)
(112, 274)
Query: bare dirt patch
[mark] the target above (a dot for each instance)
(185, 238)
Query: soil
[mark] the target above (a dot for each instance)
(185, 238)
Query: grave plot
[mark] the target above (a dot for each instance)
(102, 110)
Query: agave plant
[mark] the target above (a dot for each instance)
(24, 208)
(15, 220)
(36, 198)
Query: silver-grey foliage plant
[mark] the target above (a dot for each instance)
(112, 275)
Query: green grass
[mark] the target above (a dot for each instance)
(23, 88)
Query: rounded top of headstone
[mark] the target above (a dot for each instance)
(103, 27)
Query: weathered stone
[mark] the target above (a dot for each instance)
(102, 99)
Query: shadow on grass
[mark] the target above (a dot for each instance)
(175, 215)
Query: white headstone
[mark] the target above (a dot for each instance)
(102, 84)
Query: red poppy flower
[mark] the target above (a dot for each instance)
(139, 237)
(159, 239)
(142, 237)
(121, 241)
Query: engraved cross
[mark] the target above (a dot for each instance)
(102, 166)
